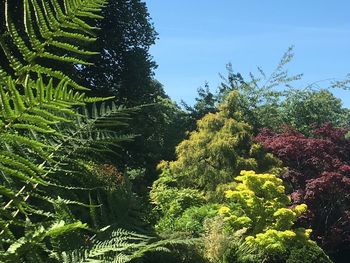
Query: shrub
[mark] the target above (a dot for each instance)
(318, 175)
(259, 204)
(192, 220)
(171, 202)
(221, 146)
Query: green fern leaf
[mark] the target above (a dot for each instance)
(8, 113)
(20, 175)
(16, 97)
(72, 48)
(46, 26)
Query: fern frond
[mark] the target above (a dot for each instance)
(29, 119)
(43, 136)
(31, 246)
(121, 246)
(93, 132)
(49, 34)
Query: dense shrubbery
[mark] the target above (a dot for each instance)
(218, 150)
(254, 223)
(318, 174)
(259, 204)
(68, 189)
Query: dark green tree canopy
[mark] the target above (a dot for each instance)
(124, 67)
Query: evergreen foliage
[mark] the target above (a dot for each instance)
(207, 162)
(124, 69)
(220, 147)
(257, 220)
(67, 184)
(257, 207)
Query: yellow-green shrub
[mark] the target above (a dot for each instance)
(259, 204)
(218, 150)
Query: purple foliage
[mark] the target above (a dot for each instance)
(318, 175)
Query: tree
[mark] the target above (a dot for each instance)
(272, 102)
(260, 96)
(221, 146)
(303, 108)
(159, 127)
(124, 67)
(206, 102)
(318, 174)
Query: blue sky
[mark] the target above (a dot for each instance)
(197, 38)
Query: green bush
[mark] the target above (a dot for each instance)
(259, 204)
(214, 154)
(192, 219)
(310, 254)
(176, 201)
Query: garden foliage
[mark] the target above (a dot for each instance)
(272, 101)
(60, 201)
(212, 156)
(259, 204)
(254, 221)
(218, 150)
(67, 184)
(318, 175)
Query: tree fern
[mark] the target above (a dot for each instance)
(122, 246)
(40, 128)
(31, 247)
(73, 135)
(51, 31)
(27, 124)
(48, 129)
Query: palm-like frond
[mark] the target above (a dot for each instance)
(52, 31)
(42, 135)
(120, 247)
(47, 128)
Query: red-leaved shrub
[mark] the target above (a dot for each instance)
(318, 175)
